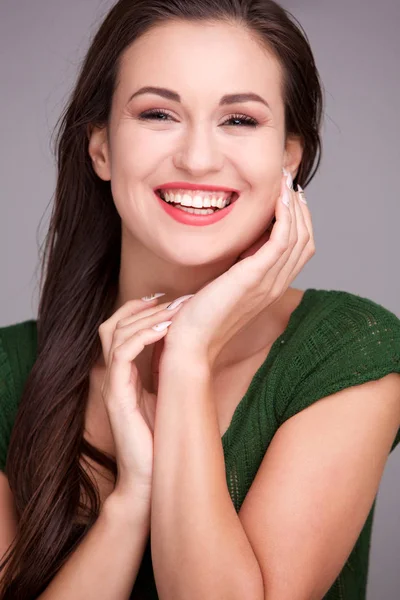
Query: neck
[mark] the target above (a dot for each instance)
(143, 272)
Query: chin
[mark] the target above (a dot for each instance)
(191, 259)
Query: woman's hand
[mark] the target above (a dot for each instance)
(130, 407)
(258, 279)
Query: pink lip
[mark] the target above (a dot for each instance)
(194, 186)
(190, 219)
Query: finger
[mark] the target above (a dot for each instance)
(295, 262)
(299, 233)
(121, 371)
(309, 248)
(127, 310)
(121, 334)
(121, 368)
(293, 236)
(141, 314)
(286, 251)
(308, 221)
(271, 252)
(121, 394)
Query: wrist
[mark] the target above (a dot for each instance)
(128, 510)
(187, 361)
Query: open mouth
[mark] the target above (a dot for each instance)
(232, 198)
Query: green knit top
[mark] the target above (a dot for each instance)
(333, 340)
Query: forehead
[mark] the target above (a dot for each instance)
(189, 57)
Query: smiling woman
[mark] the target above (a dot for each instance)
(209, 134)
(231, 444)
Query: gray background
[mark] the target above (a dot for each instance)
(353, 199)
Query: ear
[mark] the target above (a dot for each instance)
(293, 154)
(99, 151)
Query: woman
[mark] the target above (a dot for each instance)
(220, 447)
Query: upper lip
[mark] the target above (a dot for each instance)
(195, 186)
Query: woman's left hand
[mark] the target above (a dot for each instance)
(210, 318)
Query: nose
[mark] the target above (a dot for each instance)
(198, 152)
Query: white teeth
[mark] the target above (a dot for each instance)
(196, 211)
(198, 201)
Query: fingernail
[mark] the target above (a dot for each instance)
(286, 198)
(162, 326)
(178, 301)
(289, 178)
(302, 195)
(153, 296)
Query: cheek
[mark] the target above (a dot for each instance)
(139, 140)
(135, 157)
(259, 162)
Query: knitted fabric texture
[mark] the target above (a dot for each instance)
(334, 340)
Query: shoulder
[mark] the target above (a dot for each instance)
(15, 334)
(336, 304)
(333, 328)
(18, 343)
(339, 319)
(341, 340)
(18, 347)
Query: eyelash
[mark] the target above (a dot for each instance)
(147, 115)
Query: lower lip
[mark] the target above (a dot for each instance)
(189, 219)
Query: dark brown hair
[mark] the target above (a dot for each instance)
(80, 271)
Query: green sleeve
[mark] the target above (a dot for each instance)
(353, 342)
(18, 347)
(7, 404)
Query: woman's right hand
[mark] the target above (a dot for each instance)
(123, 336)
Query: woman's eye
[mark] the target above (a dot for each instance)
(153, 115)
(245, 119)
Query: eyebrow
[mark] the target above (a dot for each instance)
(227, 99)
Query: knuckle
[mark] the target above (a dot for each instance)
(257, 272)
(125, 320)
(141, 334)
(310, 248)
(282, 246)
(118, 353)
(117, 337)
(102, 338)
(274, 295)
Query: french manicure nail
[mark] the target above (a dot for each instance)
(162, 326)
(302, 195)
(286, 198)
(153, 296)
(289, 181)
(289, 178)
(176, 302)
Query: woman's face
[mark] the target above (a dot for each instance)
(196, 140)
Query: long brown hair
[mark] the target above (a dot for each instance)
(80, 271)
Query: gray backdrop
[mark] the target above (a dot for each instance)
(353, 199)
